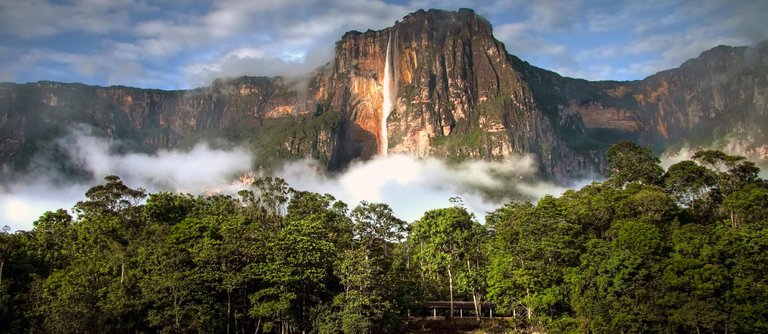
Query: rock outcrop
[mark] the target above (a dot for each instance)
(459, 96)
(452, 91)
(265, 113)
(721, 96)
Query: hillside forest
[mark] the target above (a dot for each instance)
(647, 250)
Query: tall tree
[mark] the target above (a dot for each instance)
(534, 247)
(689, 182)
(300, 259)
(442, 238)
(297, 273)
(628, 162)
(617, 286)
(375, 227)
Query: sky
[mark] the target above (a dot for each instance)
(181, 44)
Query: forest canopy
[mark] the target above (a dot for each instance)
(647, 250)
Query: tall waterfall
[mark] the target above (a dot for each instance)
(390, 94)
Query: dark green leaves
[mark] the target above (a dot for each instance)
(628, 162)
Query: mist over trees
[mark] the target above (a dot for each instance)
(648, 250)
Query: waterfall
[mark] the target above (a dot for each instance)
(390, 94)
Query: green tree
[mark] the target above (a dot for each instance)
(748, 204)
(167, 208)
(688, 182)
(267, 201)
(299, 264)
(628, 162)
(365, 273)
(533, 248)
(441, 239)
(93, 290)
(297, 273)
(375, 227)
(616, 288)
(731, 172)
(695, 280)
(173, 288)
(716, 160)
(53, 234)
(362, 303)
(22, 269)
(112, 197)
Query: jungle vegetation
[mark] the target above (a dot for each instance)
(648, 250)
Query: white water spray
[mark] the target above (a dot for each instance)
(390, 93)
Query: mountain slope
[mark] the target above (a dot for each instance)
(436, 83)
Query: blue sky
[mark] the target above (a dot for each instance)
(175, 44)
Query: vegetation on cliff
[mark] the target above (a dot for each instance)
(683, 250)
(459, 94)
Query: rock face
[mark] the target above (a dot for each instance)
(720, 96)
(458, 96)
(436, 83)
(268, 113)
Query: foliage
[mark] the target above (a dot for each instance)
(443, 241)
(679, 251)
(628, 162)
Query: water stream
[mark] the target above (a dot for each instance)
(390, 94)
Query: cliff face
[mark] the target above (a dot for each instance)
(724, 90)
(434, 84)
(721, 95)
(253, 111)
(454, 94)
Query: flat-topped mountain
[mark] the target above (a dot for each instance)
(436, 84)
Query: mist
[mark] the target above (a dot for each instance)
(730, 146)
(201, 169)
(408, 184)
(412, 185)
(249, 62)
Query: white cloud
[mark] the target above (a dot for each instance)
(198, 168)
(89, 68)
(294, 23)
(412, 185)
(669, 50)
(549, 15)
(256, 62)
(22, 204)
(41, 18)
(176, 43)
(530, 46)
(288, 43)
(409, 184)
(201, 169)
(530, 37)
(264, 38)
(663, 42)
(600, 40)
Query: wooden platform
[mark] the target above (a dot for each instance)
(457, 304)
(439, 309)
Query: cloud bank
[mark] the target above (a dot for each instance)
(413, 185)
(731, 146)
(409, 185)
(198, 170)
(201, 167)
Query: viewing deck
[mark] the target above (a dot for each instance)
(440, 309)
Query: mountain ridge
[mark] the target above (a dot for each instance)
(459, 95)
